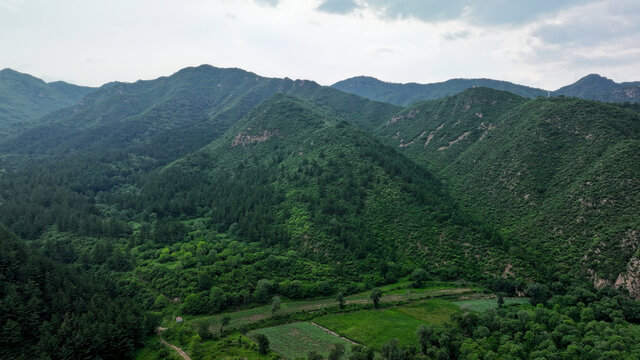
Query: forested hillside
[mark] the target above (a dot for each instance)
(213, 192)
(560, 175)
(171, 116)
(51, 311)
(24, 99)
(55, 171)
(292, 177)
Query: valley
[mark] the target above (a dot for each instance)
(484, 223)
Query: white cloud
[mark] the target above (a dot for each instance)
(96, 42)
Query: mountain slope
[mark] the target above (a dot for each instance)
(24, 98)
(171, 116)
(122, 131)
(291, 176)
(561, 175)
(406, 94)
(596, 87)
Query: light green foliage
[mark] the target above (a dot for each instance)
(233, 347)
(299, 339)
(481, 305)
(376, 327)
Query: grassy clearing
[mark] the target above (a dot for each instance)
(481, 305)
(298, 339)
(391, 293)
(430, 311)
(234, 347)
(376, 327)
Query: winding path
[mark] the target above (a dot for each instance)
(177, 349)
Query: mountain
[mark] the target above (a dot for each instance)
(122, 131)
(596, 87)
(406, 94)
(24, 98)
(171, 116)
(560, 175)
(291, 175)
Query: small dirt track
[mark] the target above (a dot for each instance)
(333, 333)
(177, 349)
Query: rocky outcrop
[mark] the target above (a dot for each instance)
(630, 279)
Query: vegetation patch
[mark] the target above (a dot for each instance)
(376, 327)
(481, 305)
(299, 339)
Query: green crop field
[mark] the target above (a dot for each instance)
(481, 305)
(391, 293)
(376, 327)
(298, 339)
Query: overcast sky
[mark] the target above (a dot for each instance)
(542, 43)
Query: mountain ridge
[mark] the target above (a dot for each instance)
(24, 98)
(590, 87)
(535, 167)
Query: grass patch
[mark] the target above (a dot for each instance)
(298, 339)
(376, 327)
(481, 305)
(234, 347)
(153, 350)
(430, 311)
(391, 293)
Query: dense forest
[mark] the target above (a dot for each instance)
(215, 191)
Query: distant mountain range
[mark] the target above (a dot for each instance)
(591, 87)
(24, 98)
(596, 87)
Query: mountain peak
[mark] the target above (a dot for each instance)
(595, 79)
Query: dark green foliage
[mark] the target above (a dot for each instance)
(538, 293)
(276, 303)
(391, 351)
(263, 291)
(407, 94)
(418, 276)
(263, 343)
(223, 323)
(375, 296)
(51, 311)
(202, 328)
(205, 192)
(559, 176)
(337, 350)
(314, 356)
(424, 334)
(86, 153)
(361, 353)
(340, 299)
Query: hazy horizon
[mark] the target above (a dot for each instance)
(546, 45)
